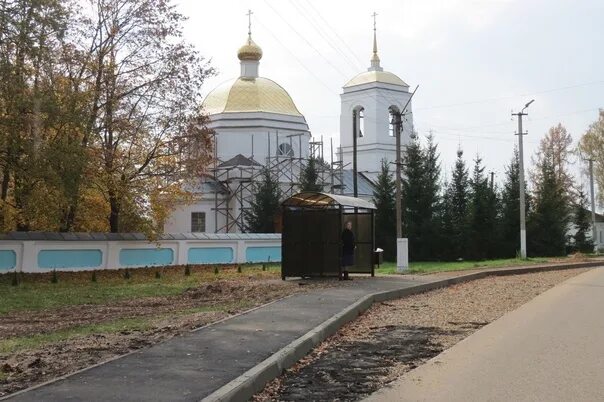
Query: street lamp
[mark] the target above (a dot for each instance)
(520, 134)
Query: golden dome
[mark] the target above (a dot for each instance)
(249, 51)
(250, 95)
(375, 76)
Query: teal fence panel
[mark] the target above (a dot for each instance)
(263, 254)
(210, 255)
(70, 258)
(8, 259)
(146, 256)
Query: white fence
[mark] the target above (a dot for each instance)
(76, 252)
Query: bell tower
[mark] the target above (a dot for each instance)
(372, 94)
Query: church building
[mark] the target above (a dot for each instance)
(257, 124)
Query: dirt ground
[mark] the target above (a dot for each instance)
(168, 317)
(394, 337)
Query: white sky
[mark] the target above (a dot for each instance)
(474, 60)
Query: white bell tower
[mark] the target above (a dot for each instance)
(372, 94)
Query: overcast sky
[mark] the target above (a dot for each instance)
(475, 62)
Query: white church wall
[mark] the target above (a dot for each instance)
(179, 220)
(234, 141)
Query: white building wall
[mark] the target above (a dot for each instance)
(249, 134)
(376, 143)
(179, 220)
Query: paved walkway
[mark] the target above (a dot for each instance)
(191, 367)
(550, 349)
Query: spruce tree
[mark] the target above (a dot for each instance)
(456, 204)
(430, 203)
(264, 206)
(582, 240)
(309, 177)
(481, 215)
(385, 214)
(509, 226)
(412, 186)
(549, 218)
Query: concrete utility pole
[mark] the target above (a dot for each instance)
(354, 153)
(398, 123)
(398, 127)
(594, 234)
(520, 134)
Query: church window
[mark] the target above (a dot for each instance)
(361, 122)
(285, 149)
(391, 119)
(198, 222)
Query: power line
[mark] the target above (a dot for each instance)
(474, 102)
(327, 24)
(325, 35)
(303, 38)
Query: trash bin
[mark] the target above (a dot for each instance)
(378, 256)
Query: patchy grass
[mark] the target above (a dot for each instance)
(12, 345)
(427, 267)
(36, 292)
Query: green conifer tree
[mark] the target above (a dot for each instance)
(412, 186)
(549, 219)
(430, 203)
(509, 226)
(456, 214)
(482, 215)
(385, 222)
(260, 217)
(309, 177)
(582, 221)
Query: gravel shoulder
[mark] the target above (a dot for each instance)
(394, 337)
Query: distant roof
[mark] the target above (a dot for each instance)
(323, 200)
(239, 160)
(365, 186)
(367, 77)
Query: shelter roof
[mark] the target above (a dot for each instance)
(323, 200)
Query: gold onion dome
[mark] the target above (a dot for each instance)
(249, 51)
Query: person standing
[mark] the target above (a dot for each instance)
(348, 246)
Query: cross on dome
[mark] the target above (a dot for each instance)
(250, 51)
(375, 59)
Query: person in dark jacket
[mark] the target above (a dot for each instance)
(348, 246)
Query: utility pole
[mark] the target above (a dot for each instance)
(520, 134)
(354, 154)
(398, 123)
(594, 234)
(398, 127)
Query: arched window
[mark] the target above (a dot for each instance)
(361, 128)
(284, 149)
(391, 119)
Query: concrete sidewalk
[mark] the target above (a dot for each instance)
(191, 367)
(550, 349)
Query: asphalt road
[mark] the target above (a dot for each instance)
(550, 349)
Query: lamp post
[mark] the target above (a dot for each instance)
(520, 134)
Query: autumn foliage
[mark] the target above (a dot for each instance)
(101, 126)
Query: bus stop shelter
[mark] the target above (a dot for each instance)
(311, 238)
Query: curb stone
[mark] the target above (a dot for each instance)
(255, 379)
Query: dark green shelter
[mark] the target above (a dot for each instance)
(311, 238)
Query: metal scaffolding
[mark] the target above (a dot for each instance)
(239, 176)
